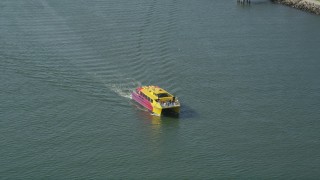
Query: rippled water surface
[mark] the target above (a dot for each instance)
(247, 77)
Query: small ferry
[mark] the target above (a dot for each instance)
(156, 100)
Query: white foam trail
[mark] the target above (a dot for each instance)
(125, 89)
(121, 91)
(154, 114)
(120, 85)
(141, 108)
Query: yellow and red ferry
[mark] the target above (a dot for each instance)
(156, 99)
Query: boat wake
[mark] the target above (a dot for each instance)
(117, 83)
(154, 114)
(140, 107)
(124, 89)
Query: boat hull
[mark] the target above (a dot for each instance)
(155, 108)
(142, 101)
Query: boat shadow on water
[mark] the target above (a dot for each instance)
(169, 113)
(154, 119)
(187, 112)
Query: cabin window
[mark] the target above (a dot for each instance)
(163, 95)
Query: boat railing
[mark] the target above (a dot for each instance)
(169, 104)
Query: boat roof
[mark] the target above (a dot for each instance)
(155, 92)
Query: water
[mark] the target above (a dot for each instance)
(247, 78)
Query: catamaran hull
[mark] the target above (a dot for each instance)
(142, 101)
(156, 110)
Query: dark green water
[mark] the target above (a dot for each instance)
(247, 78)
